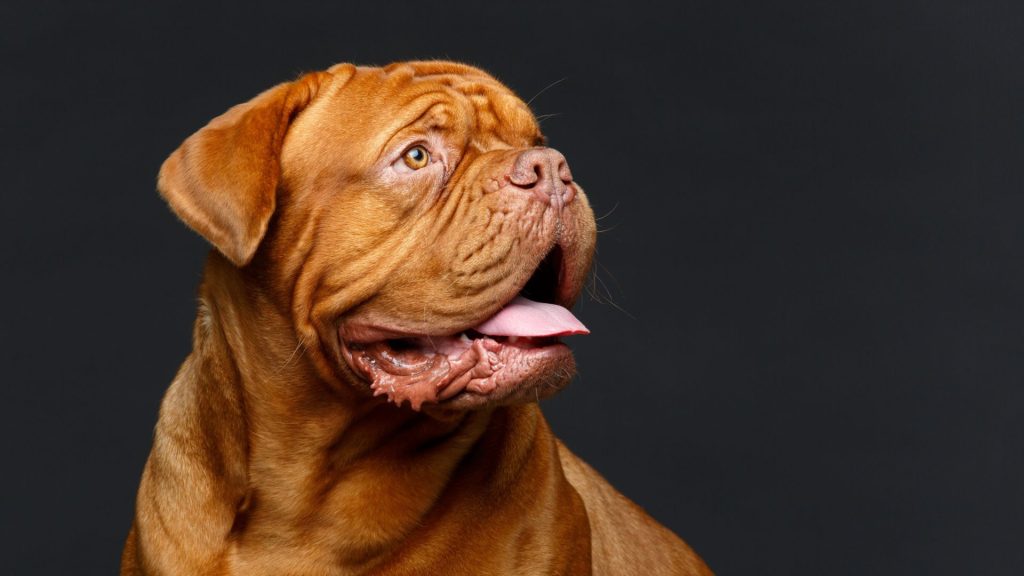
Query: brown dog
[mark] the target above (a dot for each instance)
(361, 397)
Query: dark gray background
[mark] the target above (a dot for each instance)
(814, 360)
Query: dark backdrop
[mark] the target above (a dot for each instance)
(808, 341)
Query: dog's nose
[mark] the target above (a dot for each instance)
(545, 172)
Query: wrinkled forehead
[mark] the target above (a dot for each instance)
(493, 110)
(372, 105)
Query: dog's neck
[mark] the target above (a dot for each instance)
(328, 465)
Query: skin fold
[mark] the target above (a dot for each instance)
(338, 413)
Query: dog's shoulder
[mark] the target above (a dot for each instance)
(620, 528)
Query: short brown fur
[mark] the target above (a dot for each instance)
(270, 455)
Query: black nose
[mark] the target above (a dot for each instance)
(545, 172)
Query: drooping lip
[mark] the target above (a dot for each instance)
(462, 372)
(435, 368)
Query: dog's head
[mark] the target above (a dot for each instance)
(424, 240)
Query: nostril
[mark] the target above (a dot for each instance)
(527, 171)
(538, 173)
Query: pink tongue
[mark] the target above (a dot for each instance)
(522, 317)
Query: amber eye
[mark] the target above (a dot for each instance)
(416, 157)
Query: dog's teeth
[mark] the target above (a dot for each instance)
(463, 337)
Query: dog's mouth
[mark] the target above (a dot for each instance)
(514, 353)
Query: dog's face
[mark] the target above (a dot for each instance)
(401, 214)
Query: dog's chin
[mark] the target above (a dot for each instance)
(461, 372)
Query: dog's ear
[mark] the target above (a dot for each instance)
(222, 180)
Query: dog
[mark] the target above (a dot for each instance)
(395, 254)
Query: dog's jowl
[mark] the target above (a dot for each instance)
(396, 251)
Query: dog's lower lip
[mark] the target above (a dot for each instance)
(439, 369)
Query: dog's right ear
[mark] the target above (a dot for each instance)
(222, 181)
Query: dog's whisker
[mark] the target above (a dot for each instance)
(543, 117)
(610, 273)
(300, 345)
(608, 298)
(591, 288)
(608, 213)
(546, 88)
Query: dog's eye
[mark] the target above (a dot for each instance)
(416, 157)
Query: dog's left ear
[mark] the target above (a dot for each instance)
(222, 181)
